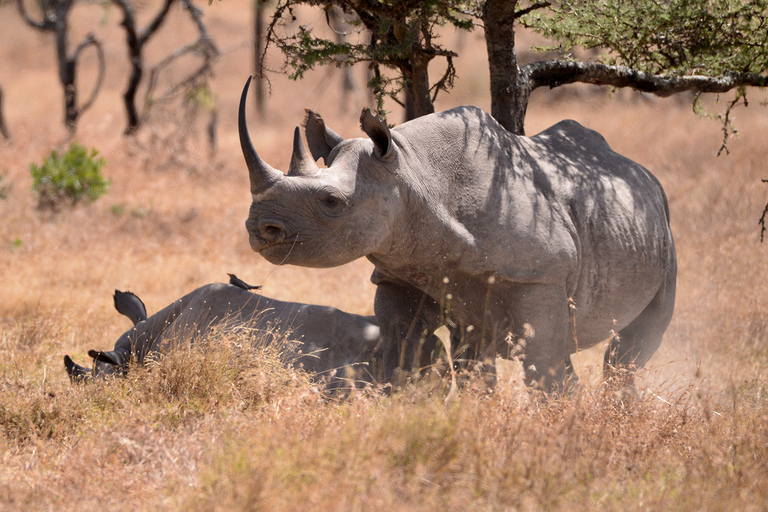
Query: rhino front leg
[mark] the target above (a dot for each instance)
(407, 317)
(541, 320)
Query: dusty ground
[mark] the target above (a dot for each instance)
(200, 434)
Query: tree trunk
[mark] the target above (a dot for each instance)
(509, 88)
(129, 96)
(417, 79)
(66, 64)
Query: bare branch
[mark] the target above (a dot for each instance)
(762, 220)
(204, 46)
(554, 73)
(156, 22)
(45, 24)
(92, 41)
(728, 128)
(447, 80)
(3, 129)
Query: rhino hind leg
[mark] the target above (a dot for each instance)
(638, 341)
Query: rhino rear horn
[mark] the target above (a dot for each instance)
(128, 304)
(301, 163)
(261, 174)
(379, 133)
(320, 139)
(77, 373)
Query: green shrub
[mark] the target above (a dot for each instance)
(63, 180)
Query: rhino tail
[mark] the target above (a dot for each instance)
(130, 305)
(77, 374)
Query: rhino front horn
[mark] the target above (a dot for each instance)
(262, 175)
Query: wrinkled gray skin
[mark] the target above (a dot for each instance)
(466, 221)
(332, 338)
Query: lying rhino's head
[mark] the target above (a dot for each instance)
(104, 364)
(322, 217)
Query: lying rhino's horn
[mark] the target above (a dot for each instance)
(301, 162)
(378, 131)
(76, 372)
(262, 175)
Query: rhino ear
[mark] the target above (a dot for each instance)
(320, 139)
(379, 133)
(130, 305)
(110, 357)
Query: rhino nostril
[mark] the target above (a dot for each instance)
(272, 232)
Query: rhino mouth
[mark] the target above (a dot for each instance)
(265, 247)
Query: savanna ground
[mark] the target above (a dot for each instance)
(227, 429)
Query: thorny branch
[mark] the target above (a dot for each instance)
(728, 128)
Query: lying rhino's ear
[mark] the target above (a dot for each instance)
(130, 305)
(378, 131)
(110, 357)
(320, 139)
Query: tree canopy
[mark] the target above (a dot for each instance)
(662, 47)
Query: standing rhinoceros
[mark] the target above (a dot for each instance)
(328, 338)
(552, 241)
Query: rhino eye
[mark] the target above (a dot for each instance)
(332, 203)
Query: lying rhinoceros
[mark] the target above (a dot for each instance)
(551, 242)
(328, 338)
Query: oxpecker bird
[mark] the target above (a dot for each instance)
(236, 281)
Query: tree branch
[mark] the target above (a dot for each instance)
(156, 22)
(46, 24)
(530, 9)
(762, 220)
(3, 129)
(554, 73)
(92, 41)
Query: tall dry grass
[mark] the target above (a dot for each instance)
(214, 428)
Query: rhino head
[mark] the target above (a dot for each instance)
(324, 216)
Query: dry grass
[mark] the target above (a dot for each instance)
(216, 428)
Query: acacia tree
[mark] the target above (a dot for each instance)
(662, 47)
(399, 35)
